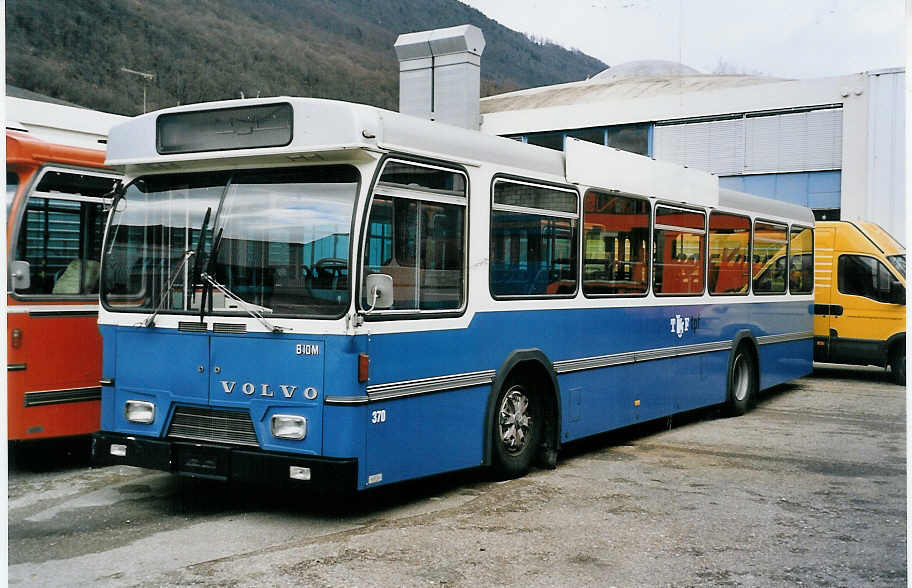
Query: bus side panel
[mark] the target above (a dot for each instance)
(425, 435)
(782, 362)
(597, 400)
(60, 358)
(344, 426)
(108, 369)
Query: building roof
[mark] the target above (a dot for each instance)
(622, 82)
(17, 92)
(646, 67)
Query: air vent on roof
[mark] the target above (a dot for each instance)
(191, 326)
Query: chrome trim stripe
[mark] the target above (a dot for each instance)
(589, 363)
(346, 400)
(394, 390)
(70, 313)
(785, 337)
(16, 367)
(428, 385)
(51, 308)
(46, 397)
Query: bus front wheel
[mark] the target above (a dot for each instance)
(517, 429)
(741, 381)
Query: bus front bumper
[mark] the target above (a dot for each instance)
(223, 462)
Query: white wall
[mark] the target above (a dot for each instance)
(886, 203)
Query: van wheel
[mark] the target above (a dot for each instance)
(741, 382)
(898, 364)
(517, 427)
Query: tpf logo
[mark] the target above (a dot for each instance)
(680, 325)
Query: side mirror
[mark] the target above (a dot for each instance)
(897, 292)
(19, 270)
(379, 291)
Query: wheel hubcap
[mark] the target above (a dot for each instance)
(740, 378)
(515, 420)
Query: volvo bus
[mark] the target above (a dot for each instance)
(325, 294)
(55, 204)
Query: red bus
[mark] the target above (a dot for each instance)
(56, 213)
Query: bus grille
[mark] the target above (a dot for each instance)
(205, 424)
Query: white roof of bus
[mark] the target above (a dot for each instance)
(325, 126)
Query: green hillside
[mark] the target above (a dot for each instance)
(203, 50)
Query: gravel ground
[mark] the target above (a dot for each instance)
(807, 489)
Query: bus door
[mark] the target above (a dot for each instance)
(54, 344)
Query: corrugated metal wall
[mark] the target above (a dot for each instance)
(790, 142)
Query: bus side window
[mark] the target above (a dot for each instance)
(770, 256)
(533, 240)
(801, 261)
(729, 248)
(61, 241)
(678, 259)
(418, 241)
(616, 234)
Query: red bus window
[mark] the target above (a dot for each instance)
(679, 249)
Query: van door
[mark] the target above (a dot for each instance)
(862, 289)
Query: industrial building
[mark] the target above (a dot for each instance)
(833, 144)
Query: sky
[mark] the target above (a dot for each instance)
(781, 38)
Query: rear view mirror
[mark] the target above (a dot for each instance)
(19, 271)
(379, 291)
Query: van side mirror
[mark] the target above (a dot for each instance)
(19, 271)
(379, 291)
(897, 292)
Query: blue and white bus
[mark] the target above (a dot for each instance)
(332, 295)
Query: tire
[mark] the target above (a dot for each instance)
(742, 382)
(898, 364)
(516, 429)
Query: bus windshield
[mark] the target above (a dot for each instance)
(899, 262)
(280, 239)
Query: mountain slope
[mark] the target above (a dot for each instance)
(215, 49)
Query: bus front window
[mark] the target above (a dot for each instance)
(899, 262)
(280, 239)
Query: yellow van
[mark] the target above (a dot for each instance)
(859, 296)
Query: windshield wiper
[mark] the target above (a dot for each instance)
(249, 309)
(195, 275)
(210, 269)
(150, 320)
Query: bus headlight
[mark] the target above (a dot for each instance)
(139, 411)
(289, 426)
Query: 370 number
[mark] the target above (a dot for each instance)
(378, 416)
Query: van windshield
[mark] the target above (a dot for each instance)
(278, 239)
(899, 262)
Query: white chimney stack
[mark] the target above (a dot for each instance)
(440, 75)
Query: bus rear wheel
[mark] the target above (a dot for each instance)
(517, 429)
(898, 363)
(741, 382)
